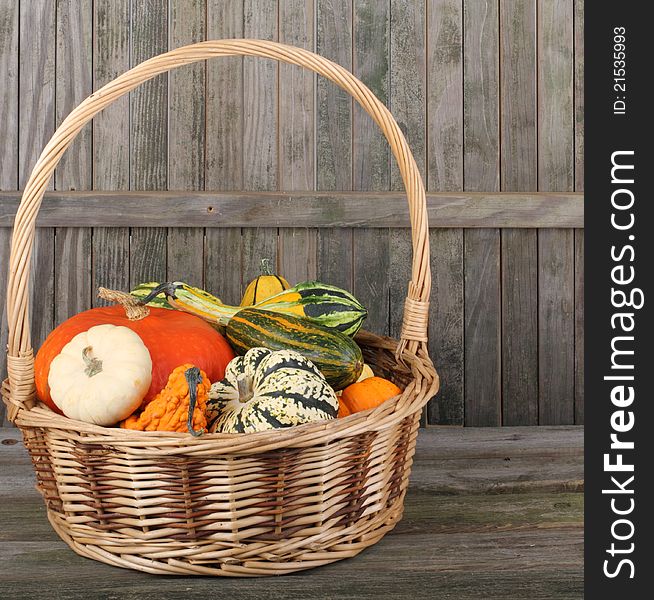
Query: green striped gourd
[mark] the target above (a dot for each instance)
(336, 355)
(320, 303)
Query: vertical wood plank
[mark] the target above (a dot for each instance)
(186, 141)
(5, 240)
(73, 84)
(297, 246)
(37, 50)
(111, 135)
(260, 83)
(408, 105)
(556, 326)
(519, 246)
(149, 136)
(223, 264)
(445, 172)
(260, 132)
(334, 137)
(445, 95)
(482, 247)
(556, 247)
(446, 325)
(579, 233)
(482, 328)
(579, 326)
(9, 24)
(224, 101)
(224, 149)
(371, 159)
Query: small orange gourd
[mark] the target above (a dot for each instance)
(366, 394)
(180, 406)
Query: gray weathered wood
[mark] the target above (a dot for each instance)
(446, 325)
(519, 247)
(110, 262)
(224, 150)
(445, 95)
(224, 101)
(445, 172)
(257, 243)
(407, 101)
(149, 136)
(579, 186)
(556, 354)
(296, 138)
(519, 327)
(556, 172)
(36, 104)
(5, 238)
(9, 27)
(371, 259)
(73, 84)
(335, 257)
(481, 247)
(260, 93)
(334, 106)
(223, 264)
(371, 154)
(579, 93)
(579, 326)
(186, 142)
(483, 391)
(315, 209)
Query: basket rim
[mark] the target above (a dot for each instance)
(423, 385)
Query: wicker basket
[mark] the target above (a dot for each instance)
(258, 504)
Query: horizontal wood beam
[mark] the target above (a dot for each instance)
(297, 209)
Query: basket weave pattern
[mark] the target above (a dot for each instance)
(243, 505)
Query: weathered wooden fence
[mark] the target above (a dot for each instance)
(488, 92)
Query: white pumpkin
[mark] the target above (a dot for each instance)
(101, 375)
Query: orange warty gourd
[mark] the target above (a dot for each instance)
(172, 338)
(343, 410)
(368, 393)
(172, 407)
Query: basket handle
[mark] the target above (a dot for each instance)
(20, 355)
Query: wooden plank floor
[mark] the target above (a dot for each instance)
(491, 513)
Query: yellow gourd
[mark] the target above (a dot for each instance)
(266, 285)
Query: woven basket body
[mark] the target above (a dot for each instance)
(266, 503)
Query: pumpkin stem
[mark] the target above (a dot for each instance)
(193, 379)
(265, 267)
(134, 309)
(93, 364)
(245, 391)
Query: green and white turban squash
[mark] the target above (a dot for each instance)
(267, 389)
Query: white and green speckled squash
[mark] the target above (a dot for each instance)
(267, 389)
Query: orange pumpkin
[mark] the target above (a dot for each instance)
(366, 394)
(172, 338)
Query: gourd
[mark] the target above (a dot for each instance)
(180, 406)
(101, 375)
(267, 389)
(335, 354)
(266, 285)
(320, 303)
(368, 393)
(172, 338)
